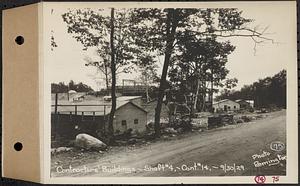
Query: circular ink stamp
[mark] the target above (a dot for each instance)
(260, 179)
(277, 146)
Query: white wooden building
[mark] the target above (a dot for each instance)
(226, 105)
(130, 116)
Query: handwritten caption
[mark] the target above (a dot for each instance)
(265, 159)
(148, 168)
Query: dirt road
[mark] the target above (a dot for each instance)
(227, 151)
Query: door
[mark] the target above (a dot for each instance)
(124, 125)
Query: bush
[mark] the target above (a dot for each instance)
(239, 121)
(246, 118)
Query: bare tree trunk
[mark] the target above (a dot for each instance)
(211, 91)
(185, 99)
(162, 87)
(147, 88)
(203, 96)
(113, 83)
(196, 96)
(170, 33)
(175, 108)
(206, 95)
(68, 92)
(147, 93)
(106, 78)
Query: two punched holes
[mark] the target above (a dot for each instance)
(19, 146)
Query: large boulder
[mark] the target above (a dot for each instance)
(170, 131)
(85, 141)
(180, 130)
(60, 150)
(239, 120)
(198, 123)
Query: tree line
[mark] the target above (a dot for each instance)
(266, 93)
(191, 43)
(61, 87)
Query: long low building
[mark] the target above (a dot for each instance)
(226, 105)
(245, 104)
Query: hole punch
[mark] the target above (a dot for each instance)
(19, 40)
(18, 146)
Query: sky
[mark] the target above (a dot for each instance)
(245, 63)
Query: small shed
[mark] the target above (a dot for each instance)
(245, 104)
(134, 99)
(130, 116)
(226, 105)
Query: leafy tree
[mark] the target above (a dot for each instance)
(199, 63)
(53, 43)
(107, 32)
(103, 67)
(113, 73)
(61, 87)
(267, 92)
(71, 85)
(148, 72)
(229, 84)
(161, 29)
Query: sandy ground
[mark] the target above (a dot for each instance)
(226, 151)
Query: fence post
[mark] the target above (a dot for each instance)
(56, 124)
(58, 116)
(123, 86)
(75, 110)
(55, 106)
(55, 117)
(104, 118)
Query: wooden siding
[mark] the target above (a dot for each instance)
(228, 104)
(129, 113)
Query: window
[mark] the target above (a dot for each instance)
(136, 121)
(124, 122)
(234, 107)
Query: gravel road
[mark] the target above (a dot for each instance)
(228, 151)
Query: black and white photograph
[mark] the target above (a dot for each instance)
(170, 90)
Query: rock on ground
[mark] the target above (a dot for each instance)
(170, 131)
(198, 123)
(88, 142)
(60, 150)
